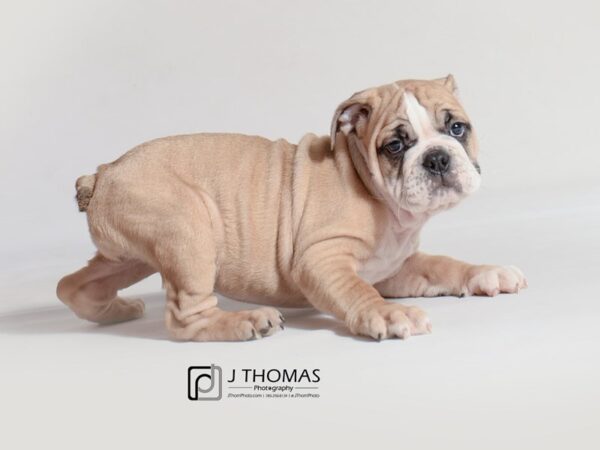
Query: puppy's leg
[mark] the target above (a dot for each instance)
(188, 266)
(330, 283)
(424, 275)
(91, 292)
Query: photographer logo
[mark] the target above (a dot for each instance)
(205, 382)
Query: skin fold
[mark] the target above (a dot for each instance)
(332, 222)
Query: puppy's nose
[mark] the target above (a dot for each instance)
(436, 161)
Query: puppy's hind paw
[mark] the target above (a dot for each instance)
(120, 310)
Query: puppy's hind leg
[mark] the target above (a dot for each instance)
(188, 264)
(91, 292)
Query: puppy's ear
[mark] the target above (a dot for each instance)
(448, 82)
(350, 117)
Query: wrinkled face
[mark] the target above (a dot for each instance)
(416, 142)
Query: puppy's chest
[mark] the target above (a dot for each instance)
(389, 255)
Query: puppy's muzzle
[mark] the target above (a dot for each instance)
(436, 161)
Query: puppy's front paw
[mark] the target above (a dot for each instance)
(388, 320)
(493, 280)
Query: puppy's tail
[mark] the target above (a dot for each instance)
(85, 190)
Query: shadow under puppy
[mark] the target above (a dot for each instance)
(332, 222)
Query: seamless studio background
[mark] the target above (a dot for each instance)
(84, 81)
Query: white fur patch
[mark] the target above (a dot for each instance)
(347, 119)
(346, 128)
(418, 117)
(392, 250)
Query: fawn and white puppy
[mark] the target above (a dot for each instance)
(332, 222)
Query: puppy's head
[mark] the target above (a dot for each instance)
(411, 142)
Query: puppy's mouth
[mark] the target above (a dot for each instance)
(444, 182)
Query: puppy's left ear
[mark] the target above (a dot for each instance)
(448, 82)
(351, 116)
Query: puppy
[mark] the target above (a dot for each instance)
(332, 222)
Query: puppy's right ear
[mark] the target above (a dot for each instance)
(350, 117)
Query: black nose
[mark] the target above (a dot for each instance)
(436, 161)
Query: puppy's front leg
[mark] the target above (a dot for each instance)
(424, 275)
(331, 284)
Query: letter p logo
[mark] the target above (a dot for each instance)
(205, 382)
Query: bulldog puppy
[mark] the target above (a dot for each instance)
(332, 222)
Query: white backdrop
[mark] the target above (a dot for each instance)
(83, 81)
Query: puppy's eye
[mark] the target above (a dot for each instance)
(458, 129)
(394, 147)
